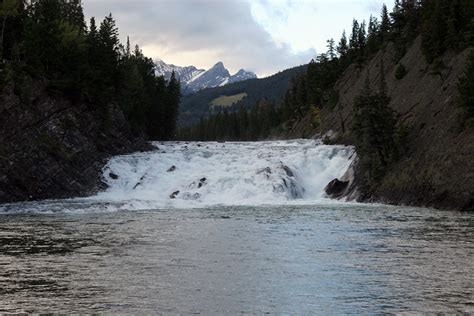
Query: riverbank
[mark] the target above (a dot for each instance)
(436, 166)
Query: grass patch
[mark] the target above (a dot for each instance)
(228, 101)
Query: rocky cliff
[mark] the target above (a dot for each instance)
(437, 164)
(53, 147)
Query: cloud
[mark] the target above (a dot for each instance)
(200, 32)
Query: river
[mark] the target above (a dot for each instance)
(248, 232)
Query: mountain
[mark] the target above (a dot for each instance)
(193, 79)
(185, 74)
(241, 93)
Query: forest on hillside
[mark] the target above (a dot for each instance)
(378, 135)
(272, 88)
(49, 41)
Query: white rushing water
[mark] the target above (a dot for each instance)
(179, 174)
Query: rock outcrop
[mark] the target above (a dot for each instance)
(436, 167)
(53, 147)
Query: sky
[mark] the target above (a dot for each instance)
(263, 36)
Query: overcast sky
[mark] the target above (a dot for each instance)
(264, 36)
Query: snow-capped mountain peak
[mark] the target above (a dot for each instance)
(193, 79)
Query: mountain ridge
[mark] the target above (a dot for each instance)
(272, 88)
(193, 79)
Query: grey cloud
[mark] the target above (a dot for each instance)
(225, 29)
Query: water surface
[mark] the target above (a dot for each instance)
(130, 250)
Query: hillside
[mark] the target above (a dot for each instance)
(272, 88)
(436, 168)
(51, 147)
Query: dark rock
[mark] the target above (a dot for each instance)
(202, 182)
(264, 170)
(336, 188)
(113, 176)
(288, 171)
(139, 182)
(174, 194)
(67, 138)
(171, 169)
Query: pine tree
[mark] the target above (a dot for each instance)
(353, 41)
(466, 93)
(384, 25)
(331, 45)
(342, 46)
(9, 9)
(374, 132)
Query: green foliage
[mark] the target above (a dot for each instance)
(49, 40)
(466, 93)
(400, 72)
(374, 128)
(272, 88)
(237, 125)
(446, 25)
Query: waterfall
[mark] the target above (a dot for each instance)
(179, 174)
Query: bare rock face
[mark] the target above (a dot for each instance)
(54, 147)
(435, 167)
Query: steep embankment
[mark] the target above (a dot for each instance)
(437, 167)
(51, 147)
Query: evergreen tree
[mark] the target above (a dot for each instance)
(342, 46)
(466, 92)
(384, 25)
(9, 9)
(331, 45)
(374, 132)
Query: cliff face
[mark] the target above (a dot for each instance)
(437, 167)
(51, 147)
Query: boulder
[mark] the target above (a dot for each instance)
(336, 188)
(202, 182)
(174, 194)
(288, 171)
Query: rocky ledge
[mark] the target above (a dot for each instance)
(53, 147)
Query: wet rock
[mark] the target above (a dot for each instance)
(336, 188)
(139, 182)
(171, 169)
(174, 194)
(288, 171)
(290, 187)
(264, 170)
(189, 196)
(202, 182)
(113, 176)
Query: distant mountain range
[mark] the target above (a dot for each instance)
(193, 79)
(244, 93)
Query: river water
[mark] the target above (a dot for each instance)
(249, 232)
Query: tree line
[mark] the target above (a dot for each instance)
(443, 25)
(49, 40)
(236, 124)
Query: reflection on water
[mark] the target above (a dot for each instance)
(293, 259)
